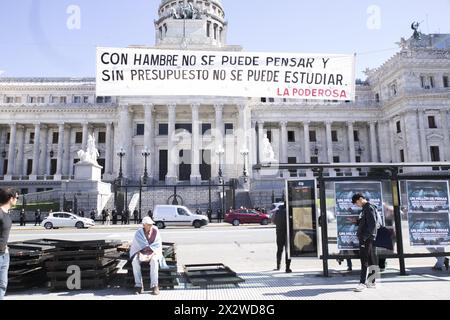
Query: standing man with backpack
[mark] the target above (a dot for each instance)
(367, 233)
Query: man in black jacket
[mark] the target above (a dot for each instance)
(367, 233)
(279, 218)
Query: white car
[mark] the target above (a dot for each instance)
(167, 215)
(66, 219)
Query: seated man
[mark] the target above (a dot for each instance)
(146, 247)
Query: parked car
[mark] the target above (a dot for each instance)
(66, 219)
(239, 216)
(166, 215)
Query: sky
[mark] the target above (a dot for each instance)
(57, 38)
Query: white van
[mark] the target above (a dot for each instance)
(166, 215)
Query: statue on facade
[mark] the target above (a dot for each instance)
(417, 35)
(186, 11)
(268, 154)
(91, 154)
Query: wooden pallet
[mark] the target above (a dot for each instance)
(211, 274)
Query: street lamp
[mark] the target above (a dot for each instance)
(244, 153)
(121, 154)
(145, 153)
(52, 153)
(220, 152)
(359, 150)
(4, 153)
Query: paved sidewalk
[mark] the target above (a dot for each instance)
(276, 285)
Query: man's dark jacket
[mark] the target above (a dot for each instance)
(367, 224)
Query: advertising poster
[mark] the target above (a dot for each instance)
(302, 231)
(428, 213)
(347, 214)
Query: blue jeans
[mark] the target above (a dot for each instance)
(4, 266)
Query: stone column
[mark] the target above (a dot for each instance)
(307, 148)
(20, 152)
(85, 135)
(241, 139)
(43, 152)
(283, 142)
(60, 153)
(12, 150)
(373, 142)
(254, 155)
(412, 137)
(108, 149)
(66, 165)
(195, 177)
(384, 132)
(423, 137)
(351, 142)
(149, 137)
(444, 119)
(329, 141)
(394, 153)
(125, 138)
(172, 153)
(2, 143)
(260, 140)
(36, 154)
(218, 139)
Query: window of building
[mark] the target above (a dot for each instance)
(393, 89)
(291, 136)
(208, 29)
(13, 100)
(102, 137)
(55, 136)
(399, 127)
(8, 137)
(53, 163)
(184, 126)
(55, 99)
(292, 160)
(36, 99)
(263, 100)
(402, 155)
(5, 166)
(336, 159)
(334, 136)
(206, 127)
(422, 81)
(271, 99)
(432, 122)
(31, 140)
(78, 137)
(358, 159)
(76, 99)
(228, 128)
(85, 99)
(431, 82)
(140, 129)
(160, 33)
(434, 152)
(269, 135)
(312, 136)
(106, 99)
(356, 135)
(215, 31)
(445, 81)
(314, 159)
(377, 97)
(29, 166)
(163, 129)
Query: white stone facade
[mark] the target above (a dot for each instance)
(401, 113)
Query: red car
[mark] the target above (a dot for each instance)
(246, 216)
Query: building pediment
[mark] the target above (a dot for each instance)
(435, 136)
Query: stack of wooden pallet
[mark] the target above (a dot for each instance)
(27, 265)
(167, 277)
(96, 260)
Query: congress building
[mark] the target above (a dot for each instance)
(401, 114)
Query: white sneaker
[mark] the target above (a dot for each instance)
(371, 285)
(360, 287)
